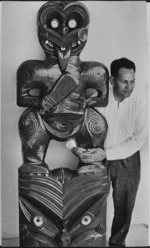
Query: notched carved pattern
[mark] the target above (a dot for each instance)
(73, 209)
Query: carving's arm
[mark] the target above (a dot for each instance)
(25, 83)
(52, 92)
(95, 76)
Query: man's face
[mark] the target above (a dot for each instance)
(123, 83)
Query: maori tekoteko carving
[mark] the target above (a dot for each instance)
(62, 207)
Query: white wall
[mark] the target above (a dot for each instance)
(0, 120)
(148, 32)
(117, 29)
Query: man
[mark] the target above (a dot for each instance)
(127, 119)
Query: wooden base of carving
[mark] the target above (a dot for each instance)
(63, 208)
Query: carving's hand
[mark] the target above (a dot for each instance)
(78, 151)
(47, 105)
(90, 102)
(94, 155)
(91, 94)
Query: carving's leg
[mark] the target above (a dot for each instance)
(35, 140)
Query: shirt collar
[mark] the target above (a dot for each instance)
(112, 99)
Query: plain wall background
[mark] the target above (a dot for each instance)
(117, 29)
(0, 120)
(148, 32)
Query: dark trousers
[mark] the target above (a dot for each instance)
(125, 177)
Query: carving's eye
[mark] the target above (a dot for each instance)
(72, 23)
(86, 220)
(54, 23)
(38, 221)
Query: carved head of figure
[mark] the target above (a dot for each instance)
(63, 28)
(63, 209)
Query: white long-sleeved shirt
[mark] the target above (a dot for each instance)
(127, 126)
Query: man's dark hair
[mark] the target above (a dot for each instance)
(119, 63)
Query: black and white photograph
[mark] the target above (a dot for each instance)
(75, 124)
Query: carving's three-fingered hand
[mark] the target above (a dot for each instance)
(47, 105)
(78, 151)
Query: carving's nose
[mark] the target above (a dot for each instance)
(65, 238)
(64, 30)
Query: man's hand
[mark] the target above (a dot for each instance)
(78, 151)
(93, 155)
(89, 155)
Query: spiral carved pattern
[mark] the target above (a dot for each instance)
(94, 120)
(93, 131)
(95, 75)
(83, 34)
(28, 125)
(63, 125)
(97, 127)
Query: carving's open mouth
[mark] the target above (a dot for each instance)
(49, 43)
(63, 52)
(74, 45)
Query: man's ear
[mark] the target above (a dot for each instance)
(111, 78)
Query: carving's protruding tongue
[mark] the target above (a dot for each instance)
(63, 55)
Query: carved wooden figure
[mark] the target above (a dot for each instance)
(62, 207)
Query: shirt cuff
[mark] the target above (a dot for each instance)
(110, 154)
(70, 144)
